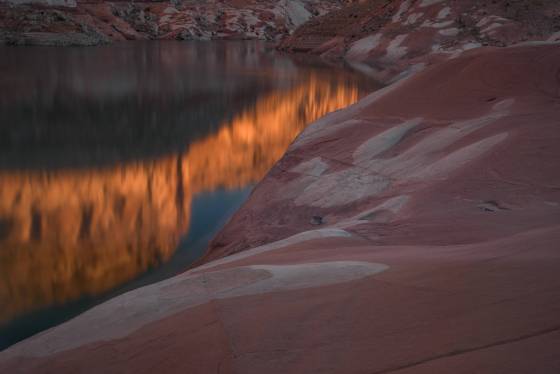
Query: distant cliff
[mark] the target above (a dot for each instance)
(71, 22)
(384, 38)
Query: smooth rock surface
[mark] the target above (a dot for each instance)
(423, 273)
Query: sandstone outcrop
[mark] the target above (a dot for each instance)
(436, 250)
(95, 22)
(384, 38)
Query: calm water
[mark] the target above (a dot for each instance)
(119, 163)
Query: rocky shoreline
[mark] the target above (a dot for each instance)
(87, 23)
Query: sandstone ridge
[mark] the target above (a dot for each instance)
(385, 38)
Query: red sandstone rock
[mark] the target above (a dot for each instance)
(93, 22)
(383, 38)
(437, 249)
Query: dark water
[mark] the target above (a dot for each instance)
(119, 163)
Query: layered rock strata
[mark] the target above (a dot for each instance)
(385, 39)
(96, 22)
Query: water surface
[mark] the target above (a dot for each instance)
(118, 163)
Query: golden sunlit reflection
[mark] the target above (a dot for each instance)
(65, 234)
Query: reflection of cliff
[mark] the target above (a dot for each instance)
(124, 97)
(83, 232)
(243, 151)
(68, 233)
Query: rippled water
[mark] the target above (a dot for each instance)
(118, 163)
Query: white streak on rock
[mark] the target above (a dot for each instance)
(405, 5)
(294, 239)
(296, 12)
(170, 10)
(426, 3)
(486, 20)
(411, 70)
(127, 313)
(383, 141)
(314, 167)
(464, 47)
(491, 28)
(444, 13)
(437, 25)
(411, 20)
(443, 167)
(342, 187)
(289, 277)
(394, 50)
(428, 150)
(392, 206)
(360, 49)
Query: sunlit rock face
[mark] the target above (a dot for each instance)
(94, 22)
(73, 232)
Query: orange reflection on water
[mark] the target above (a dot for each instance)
(245, 149)
(70, 233)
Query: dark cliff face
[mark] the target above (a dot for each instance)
(66, 22)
